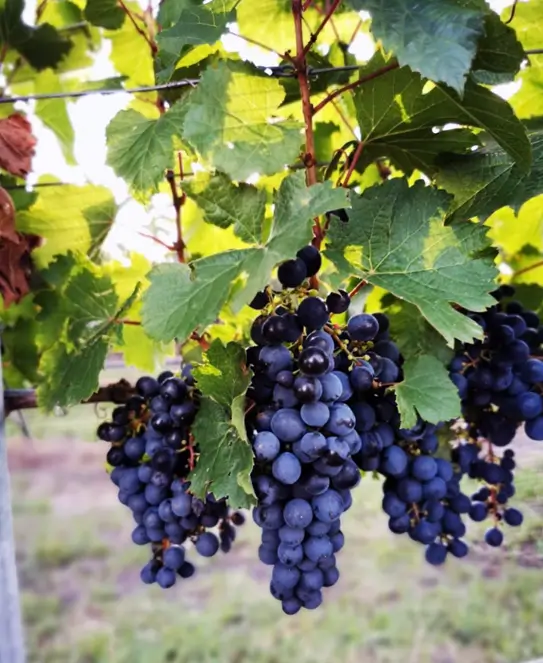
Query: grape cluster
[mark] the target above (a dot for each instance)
(152, 454)
(500, 382)
(421, 493)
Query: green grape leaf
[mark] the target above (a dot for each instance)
(89, 304)
(86, 313)
(225, 203)
(226, 459)
(59, 215)
(70, 375)
(80, 303)
(104, 13)
(229, 121)
(427, 390)
(438, 41)
(398, 121)
(414, 335)
(528, 101)
(224, 374)
(195, 25)
(41, 46)
(528, 23)
(489, 179)
(182, 298)
(408, 251)
(128, 55)
(499, 51)
(511, 231)
(141, 149)
(20, 352)
(100, 218)
(54, 113)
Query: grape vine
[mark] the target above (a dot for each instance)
(339, 245)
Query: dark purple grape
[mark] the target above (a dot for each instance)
(292, 273)
(338, 302)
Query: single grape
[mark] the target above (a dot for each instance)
(207, 544)
(362, 327)
(292, 273)
(338, 302)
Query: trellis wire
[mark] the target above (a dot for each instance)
(275, 72)
(11, 629)
(281, 71)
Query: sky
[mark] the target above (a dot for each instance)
(90, 116)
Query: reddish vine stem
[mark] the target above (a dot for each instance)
(151, 43)
(157, 240)
(535, 265)
(135, 323)
(300, 65)
(354, 161)
(355, 32)
(249, 40)
(332, 24)
(329, 13)
(357, 288)
(178, 202)
(355, 84)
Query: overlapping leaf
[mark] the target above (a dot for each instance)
(196, 24)
(398, 119)
(499, 51)
(105, 13)
(397, 238)
(225, 204)
(427, 391)
(489, 179)
(232, 120)
(141, 149)
(226, 458)
(42, 46)
(65, 217)
(182, 298)
(437, 39)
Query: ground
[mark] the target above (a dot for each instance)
(84, 603)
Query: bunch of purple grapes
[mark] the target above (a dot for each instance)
(151, 454)
(321, 412)
(500, 382)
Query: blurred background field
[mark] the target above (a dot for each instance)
(84, 603)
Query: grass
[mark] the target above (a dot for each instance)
(83, 601)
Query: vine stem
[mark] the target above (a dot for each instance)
(537, 264)
(152, 44)
(354, 161)
(300, 64)
(357, 288)
(178, 202)
(329, 13)
(355, 84)
(355, 32)
(513, 11)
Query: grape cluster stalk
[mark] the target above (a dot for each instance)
(151, 455)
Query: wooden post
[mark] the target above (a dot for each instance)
(11, 629)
